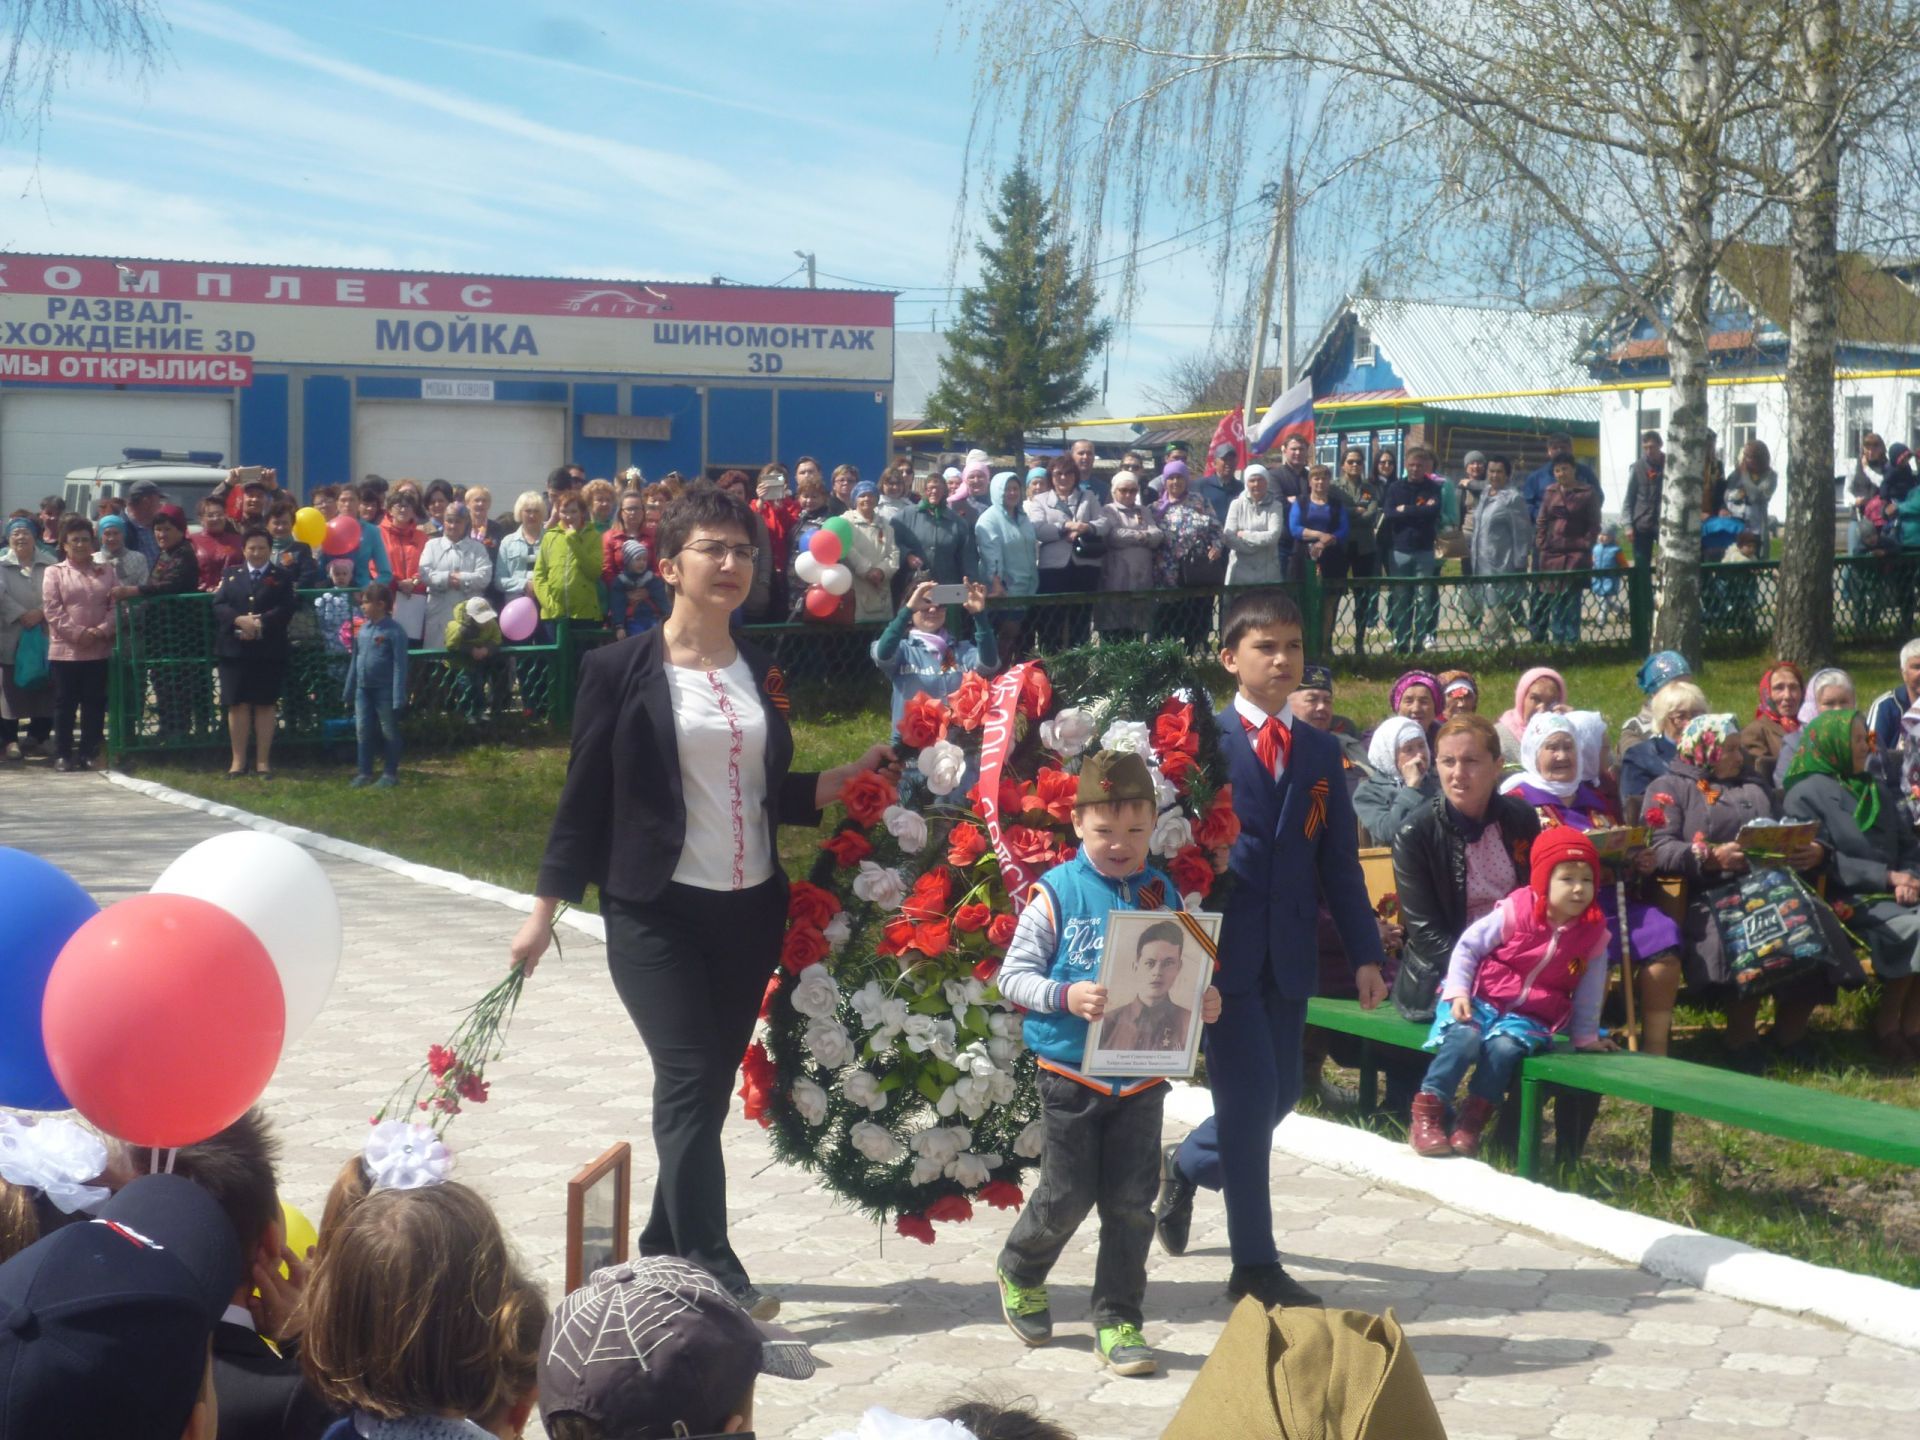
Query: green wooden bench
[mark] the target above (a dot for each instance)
(1671, 1087)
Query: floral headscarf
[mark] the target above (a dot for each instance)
(1827, 749)
(1514, 725)
(1544, 724)
(1705, 740)
(1822, 680)
(1412, 678)
(1383, 751)
(1788, 723)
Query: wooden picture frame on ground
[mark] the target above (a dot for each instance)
(599, 1212)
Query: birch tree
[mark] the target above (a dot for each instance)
(43, 38)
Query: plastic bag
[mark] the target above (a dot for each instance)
(30, 658)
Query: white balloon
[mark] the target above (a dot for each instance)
(836, 579)
(279, 892)
(807, 567)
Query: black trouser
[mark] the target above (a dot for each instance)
(691, 967)
(1366, 598)
(1102, 1150)
(79, 685)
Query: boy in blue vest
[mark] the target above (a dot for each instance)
(1102, 1135)
(1298, 843)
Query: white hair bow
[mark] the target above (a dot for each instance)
(56, 1157)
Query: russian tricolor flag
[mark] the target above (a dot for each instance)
(1290, 415)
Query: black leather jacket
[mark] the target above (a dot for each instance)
(1430, 874)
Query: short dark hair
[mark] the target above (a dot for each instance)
(1502, 460)
(73, 523)
(1653, 435)
(561, 477)
(1160, 930)
(441, 486)
(1566, 460)
(53, 505)
(281, 504)
(255, 529)
(702, 506)
(237, 1168)
(378, 590)
(1258, 610)
(1001, 1422)
(809, 460)
(372, 490)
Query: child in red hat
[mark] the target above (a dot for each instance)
(1532, 966)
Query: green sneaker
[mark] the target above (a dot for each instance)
(1025, 1307)
(1125, 1350)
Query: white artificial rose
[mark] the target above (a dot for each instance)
(1192, 900)
(880, 886)
(970, 1170)
(907, 828)
(975, 1060)
(1031, 1141)
(1131, 736)
(1004, 1052)
(863, 1088)
(943, 764)
(816, 995)
(828, 1042)
(927, 1033)
(1172, 833)
(875, 1142)
(962, 993)
(970, 1096)
(1068, 732)
(1165, 797)
(866, 1002)
(839, 930)
(1001, 1088)
(949, 1102)
(925, 1171)
(941, 1143)
(810, 1100)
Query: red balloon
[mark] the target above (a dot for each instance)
(163, 1019)
(343, 536)
(825, 547)
(820, 603)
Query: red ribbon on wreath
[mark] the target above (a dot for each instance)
(997, 734)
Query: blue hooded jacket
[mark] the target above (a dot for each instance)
(1009, 550)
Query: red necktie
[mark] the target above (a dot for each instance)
(1272, 742)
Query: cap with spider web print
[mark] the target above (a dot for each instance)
(653, 1346)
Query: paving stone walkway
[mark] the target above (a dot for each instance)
(1519, 1335)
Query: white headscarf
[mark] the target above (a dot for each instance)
(1543, 724)
(1590, 736)
(1383, 751)
(1823, 680)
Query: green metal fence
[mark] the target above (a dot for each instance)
(165, 694)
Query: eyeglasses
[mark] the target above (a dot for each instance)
(720, 553)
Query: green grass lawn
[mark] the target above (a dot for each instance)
(484, 812)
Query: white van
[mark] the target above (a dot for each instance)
(186, 477)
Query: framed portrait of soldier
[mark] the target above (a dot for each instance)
(599, 1201)
(1156, 967)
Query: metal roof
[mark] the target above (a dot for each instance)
(1439, 348)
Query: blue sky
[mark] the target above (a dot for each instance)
(640, 140)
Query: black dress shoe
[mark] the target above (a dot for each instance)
(1270, 1285)
(1173, 1208)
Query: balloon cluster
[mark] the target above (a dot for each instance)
(342, 534)
(820, 568)
(162, 1017)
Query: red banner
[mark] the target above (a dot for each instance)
(89, 369)
(996, 739)
(1230, 431)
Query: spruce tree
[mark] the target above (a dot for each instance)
(1018, 358)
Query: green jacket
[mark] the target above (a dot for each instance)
(566, 575)
(1909, 512)
(464, 636)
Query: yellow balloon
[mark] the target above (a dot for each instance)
(309, 526)
(301, 1236)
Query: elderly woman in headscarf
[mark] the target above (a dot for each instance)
(1874, 865)
(1694, 815)
(1402, 779)
(1550, 781)
(1655, 671)
(1459, 694)
(1830, 689)
(872, 555)
(1539, 689)
(1782, 688)
(1596, 762)
(1416, 696)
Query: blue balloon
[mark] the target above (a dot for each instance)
(43, 907)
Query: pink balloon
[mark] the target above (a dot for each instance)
(343, 536)
(163, 1019)
(825, 547)
(821, 605)
(520, 617)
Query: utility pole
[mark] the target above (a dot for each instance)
(809, 257)
(1281, 196)
(1287, 202)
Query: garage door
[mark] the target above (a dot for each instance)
(507, 448)
(46, 433)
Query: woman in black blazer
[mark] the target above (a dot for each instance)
(678, 781)
(251, 610)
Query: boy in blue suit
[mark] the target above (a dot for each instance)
(1298, 840)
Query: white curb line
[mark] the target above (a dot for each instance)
(1873, 1307)
(1861, 1303)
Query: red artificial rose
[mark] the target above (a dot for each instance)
(867, 796)
(1655, 816)
(987, 970)
(950, 1207)
(756, 1082)
(1192, 871)
(1036, 694)
(766, 1000)
(969, 918)
(1054, 792)
(811, 905)
(933, 938)
(923, 721)
(804, 946)
(440, 1060)
(915, 1227)
(895, 937)
(1178, 766)
(1031, 846)
(1068, 853)
(965, 844)
(1001, 1194)
(1219, 827)
(1000, 931)
(1173, 731)
(848, 848)
(929, 896)
(968, 704)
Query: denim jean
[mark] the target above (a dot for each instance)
(1413, 610)
(1101, 1150)
(375, 721)
(1460, 1047)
